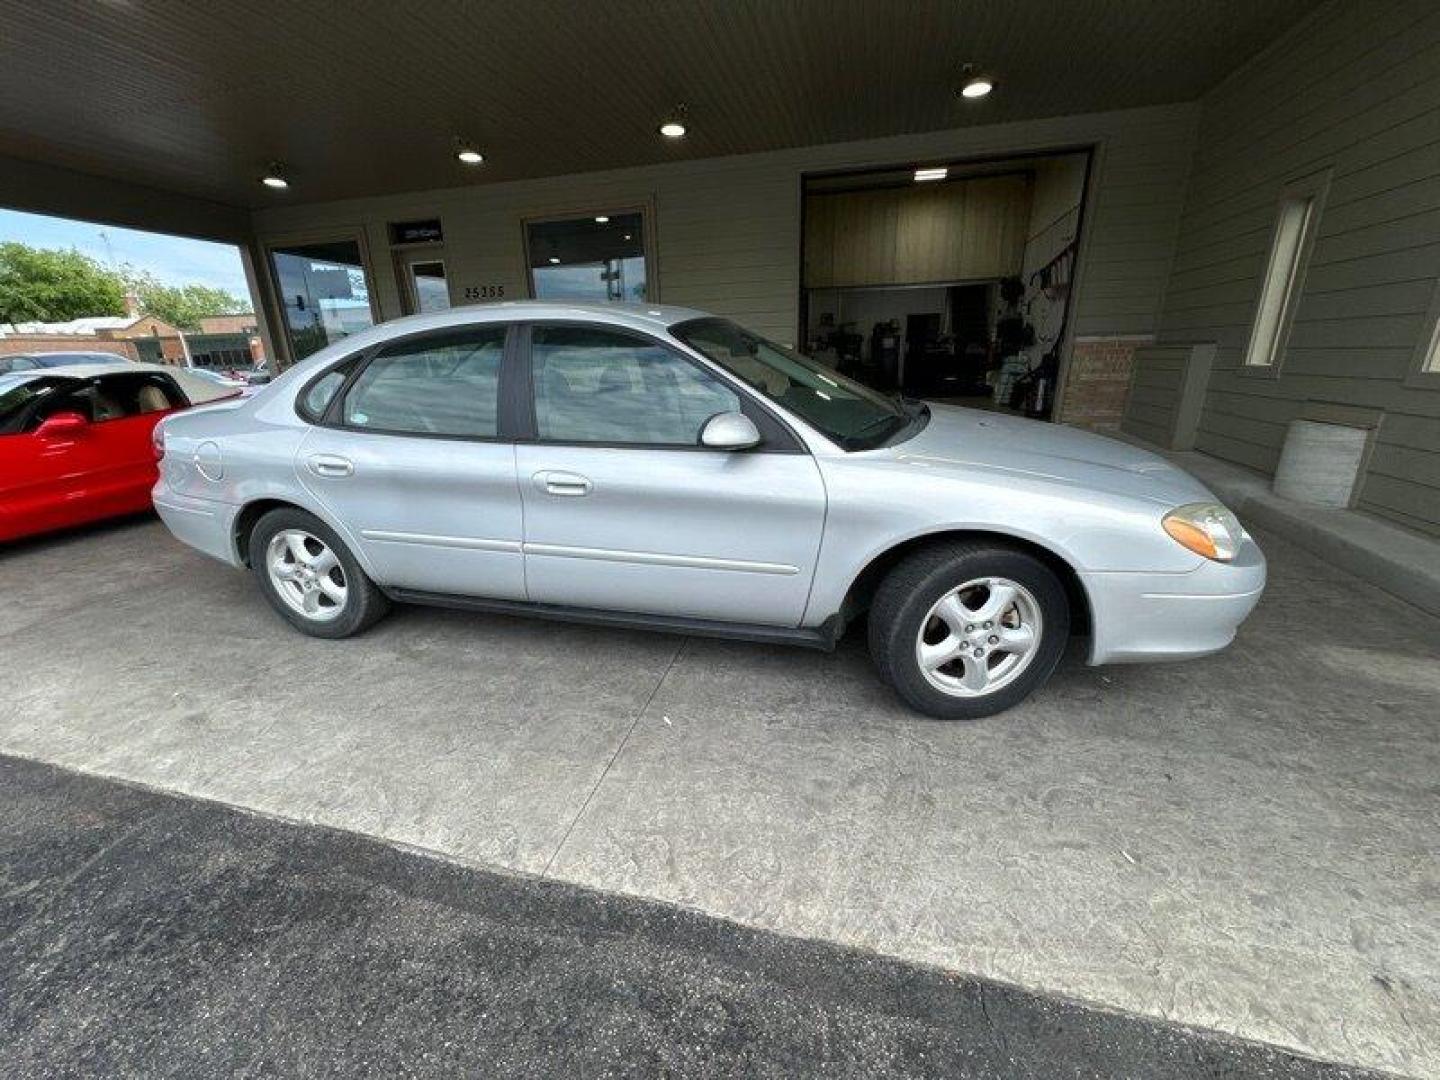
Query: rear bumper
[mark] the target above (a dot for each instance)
(204, 524)
(1146, 617)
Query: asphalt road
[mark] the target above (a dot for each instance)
(148, 934)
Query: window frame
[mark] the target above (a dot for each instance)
(1425, 367)
(645, 209)
(333, 416)
(776, 436)
(1311, 190)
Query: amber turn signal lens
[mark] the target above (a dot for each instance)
(1191, 536)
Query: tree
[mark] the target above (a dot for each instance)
(40, 285)
(183, 305)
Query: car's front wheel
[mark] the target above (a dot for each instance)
(309, 576)
(966, 629)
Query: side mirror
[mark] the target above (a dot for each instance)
(61, 425)
(729, 431)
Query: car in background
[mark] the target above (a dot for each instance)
(240, 386)
(36, 361)
(659, 467)
(75, 442)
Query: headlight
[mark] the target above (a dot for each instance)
(1207, 529)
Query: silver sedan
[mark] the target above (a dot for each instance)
(658, 467)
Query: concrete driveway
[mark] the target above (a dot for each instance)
(1246, 843)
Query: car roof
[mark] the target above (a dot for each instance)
(85, 371)
(112, 358)
(645, 317)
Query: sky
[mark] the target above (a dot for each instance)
(174, 260)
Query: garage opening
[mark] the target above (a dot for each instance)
(947, 281)
(80, 292)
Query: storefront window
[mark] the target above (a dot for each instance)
(598, 258)
(324, 291)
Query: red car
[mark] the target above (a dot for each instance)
(75, 441)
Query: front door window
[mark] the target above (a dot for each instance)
(599, 386)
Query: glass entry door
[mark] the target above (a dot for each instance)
(422, 281)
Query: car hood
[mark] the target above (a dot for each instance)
(971, 440)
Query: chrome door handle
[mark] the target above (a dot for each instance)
(330, 465)
(562, 483)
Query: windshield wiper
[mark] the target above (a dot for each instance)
(856, 439)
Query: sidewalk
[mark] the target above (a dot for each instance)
(1403, 563)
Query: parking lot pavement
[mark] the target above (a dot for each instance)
(1245, 843)
(147, 934)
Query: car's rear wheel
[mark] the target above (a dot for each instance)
(309, 576)
(966, 629)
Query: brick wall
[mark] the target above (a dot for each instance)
(228, 324)
(38, 343)
(1097, 381)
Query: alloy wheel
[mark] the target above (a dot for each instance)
(979, 637)
(306, 574)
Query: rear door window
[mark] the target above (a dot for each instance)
(444, 385)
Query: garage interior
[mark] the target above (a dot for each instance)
(949, 282)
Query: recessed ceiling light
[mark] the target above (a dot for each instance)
(673, 126)
(601, 219)
(274, 176)
(466, 153)
(931, 174)
(554, 261)
(977, 87)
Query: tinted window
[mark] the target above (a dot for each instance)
(595, 385)
(442, 385)
(16, 363)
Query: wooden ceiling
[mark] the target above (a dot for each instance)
(365, 97)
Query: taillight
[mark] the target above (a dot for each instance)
(157, 442)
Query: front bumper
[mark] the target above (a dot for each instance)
(1143, 617)
(204, 524)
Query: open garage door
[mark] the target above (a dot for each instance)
(946, 281)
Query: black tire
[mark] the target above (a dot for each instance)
(914, 585)
(364, 603)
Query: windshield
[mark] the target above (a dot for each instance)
(18, 391)
(854, 416)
